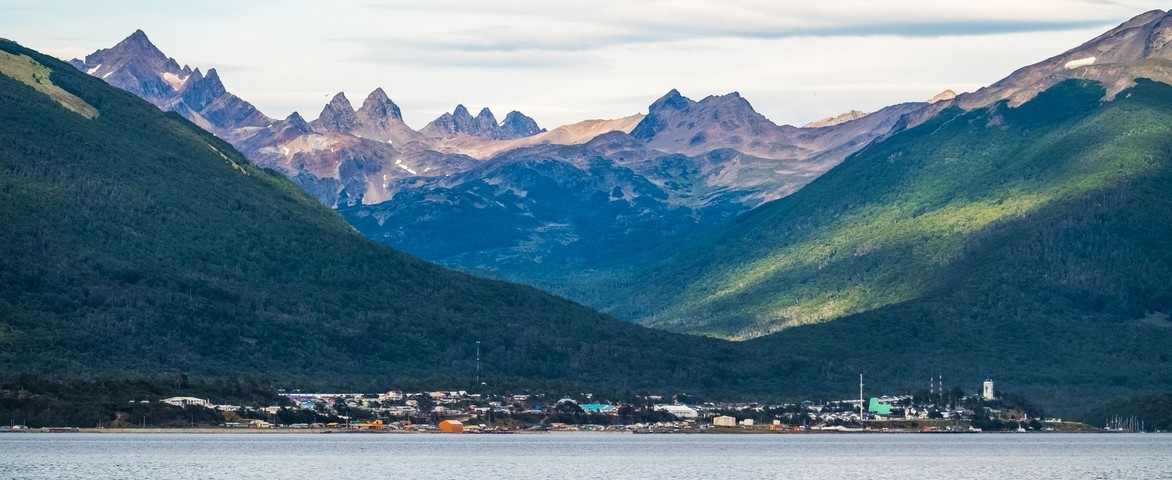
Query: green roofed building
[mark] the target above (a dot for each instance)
(878, 408)
(597, 408)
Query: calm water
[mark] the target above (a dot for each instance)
(601, 456)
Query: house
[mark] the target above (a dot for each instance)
(187, 401)
(451, 426)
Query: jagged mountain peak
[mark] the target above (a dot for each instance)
(379, 105)
(138, 43)
(339, 102)
(337, 116)
(517, 125)
(297, 121)
(693, 126)
(673, 100)
(484, 124)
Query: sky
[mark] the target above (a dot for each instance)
(566, 61)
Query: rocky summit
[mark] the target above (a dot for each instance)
(484, 124)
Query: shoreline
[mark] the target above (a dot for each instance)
(270, 431)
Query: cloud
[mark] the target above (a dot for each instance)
(522, 34)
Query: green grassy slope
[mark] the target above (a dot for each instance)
(901, 218)
(1029, 244)
(135, 244)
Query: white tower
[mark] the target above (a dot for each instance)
(987, 391)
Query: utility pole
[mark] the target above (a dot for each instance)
(860, 398)
(478, 364)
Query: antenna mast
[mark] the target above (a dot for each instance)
(860, 398)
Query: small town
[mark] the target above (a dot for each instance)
(937, 411)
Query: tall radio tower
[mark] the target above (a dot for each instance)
(860, 398)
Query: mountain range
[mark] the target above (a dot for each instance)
(138, 245)
(680, 169)
(1015, 232)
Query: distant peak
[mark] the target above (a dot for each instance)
(729, 99)
(138, 44)
(379, 95)
(379, 105)
(461, 111)
(943, 96)
(297, 121)
(673, 100)
(338, 102)
(486, 115)
(517, 124)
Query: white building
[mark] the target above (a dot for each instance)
(987, 391)
(724, 421)
(186, 401)
(680, 411)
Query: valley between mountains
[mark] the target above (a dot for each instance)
(1017, 231)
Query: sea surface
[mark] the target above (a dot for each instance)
(585, 455)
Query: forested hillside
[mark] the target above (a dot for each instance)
(136, 245)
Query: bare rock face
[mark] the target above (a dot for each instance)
(139, 67)
(518, 125)
(380, 119)
(483, 125)
(1139, 48)
(942, 96)
(677, 124)
(337, 116)
(837, 119)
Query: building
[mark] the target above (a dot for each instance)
(987, 391)
(878, 408)
(724, 421)
(748, 422)
(680, 411)
(598, 408)
(187, 401)
(451, 426)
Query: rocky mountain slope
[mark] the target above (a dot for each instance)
(571, 194)
(880, 229)
(137, 66)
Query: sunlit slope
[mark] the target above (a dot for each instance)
(903, 220)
